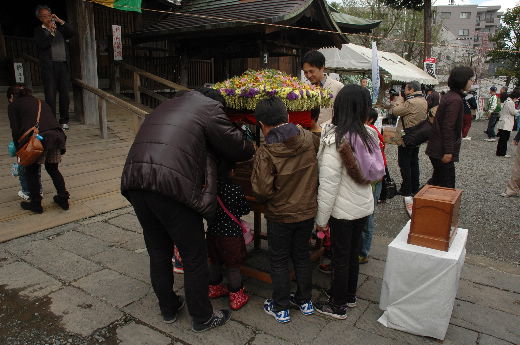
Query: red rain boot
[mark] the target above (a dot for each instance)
(216, 291)
(238, 299)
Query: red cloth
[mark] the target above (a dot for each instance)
(381, 143)
(302, 118)
(466, 124)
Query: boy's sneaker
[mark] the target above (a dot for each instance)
(23, 195)
(216, 291)
(491, 140)
(219, 318)
(306, 308)
(408, 205)
(171, 318)
(281, 316)
(177, 267)
(352, 303)
(325, 268)
(238, 299)
(363, 259)
(329, 309)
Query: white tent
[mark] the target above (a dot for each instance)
(354, 58)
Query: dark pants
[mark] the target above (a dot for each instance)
(345, 237)
(443, 173)
(492, 122)
(56, 79)
(466, 124)
(408, 159)
(32, 175)
(290, 241)
(165, 221)
(503, 138)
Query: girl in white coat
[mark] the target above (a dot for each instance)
(349, 159)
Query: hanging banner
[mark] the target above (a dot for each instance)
(376, 81)
(123, 5)
(18, 73)
(429, 66)
(116, 41)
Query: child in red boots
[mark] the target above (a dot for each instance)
(226, 247)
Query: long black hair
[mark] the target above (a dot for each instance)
(351, 113)
(18, 91)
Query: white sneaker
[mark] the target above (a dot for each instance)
(466, 138)
(408, 204)
(65, 126)
(22, 195)
(491, 140)
(507, 156)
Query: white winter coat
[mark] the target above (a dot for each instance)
(507, 115)
(338, 195)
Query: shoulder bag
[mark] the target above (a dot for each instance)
(33, 148)
(246, 228)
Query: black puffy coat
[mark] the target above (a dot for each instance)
(175, 152)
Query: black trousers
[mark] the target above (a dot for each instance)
(345, 238)
(443, 174)
(34, 183)
(164, 222)
(492, 122)
(290, 241)
(56, 79)
(408, 160)
(503, 138)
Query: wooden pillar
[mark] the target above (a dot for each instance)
(84, 59)
(102, 109)
(3, 48)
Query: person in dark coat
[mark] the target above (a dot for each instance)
(470, 106)
(51, 39)
(170, 179)
(444, 144)
(23, 112)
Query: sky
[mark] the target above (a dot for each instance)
(506, 4)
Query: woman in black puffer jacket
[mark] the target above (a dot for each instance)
(23, 111)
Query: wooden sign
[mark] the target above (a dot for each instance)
(18, 73)
(117, 42)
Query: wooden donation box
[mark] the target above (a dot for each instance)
(435, 217)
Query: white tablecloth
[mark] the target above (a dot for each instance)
(420, 285)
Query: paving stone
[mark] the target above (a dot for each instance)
(81, 313)
(147, 311)
(266, 339)
(135, 242)
(301, 330)
(113, 287)
(107, 215)
(455, 335)
(80, 244)
(379, 248)
(489, 340)
(134, 334)
(374, 268)
(55, 261)
(491, 277)
(109, 233)
(55, 231)
(489, 297)
(371, 289)
(6, 258)
(29, 280)
(486, 320)
(127, 221)
(322, 280)
(336, 333)
(127, 262)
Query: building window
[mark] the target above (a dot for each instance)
(445, 15)
(465, 15)
(463, 32)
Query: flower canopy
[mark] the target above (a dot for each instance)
(244, 92)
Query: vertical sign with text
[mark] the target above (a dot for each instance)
(429, 66)
(18, 73)
(117, 42)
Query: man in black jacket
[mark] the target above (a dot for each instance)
(170, 179)
(51, 39)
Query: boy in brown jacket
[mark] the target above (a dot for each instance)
(285, 177)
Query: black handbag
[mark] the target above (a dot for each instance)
(389, 188)
(418, 134)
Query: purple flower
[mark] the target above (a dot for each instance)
(230, 92)
(308, 93)
(292, 96)
(272, 92)
(301, 93)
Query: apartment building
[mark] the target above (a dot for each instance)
(471, 25)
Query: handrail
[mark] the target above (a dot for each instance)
(154, 77)
(30, 58)
(111, 98)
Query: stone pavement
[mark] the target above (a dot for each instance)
(95, 275)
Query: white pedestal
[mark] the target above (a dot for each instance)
(420, 285)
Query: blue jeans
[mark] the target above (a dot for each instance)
(23, 179)
(368, 230)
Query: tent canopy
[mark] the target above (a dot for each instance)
(358, 59)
